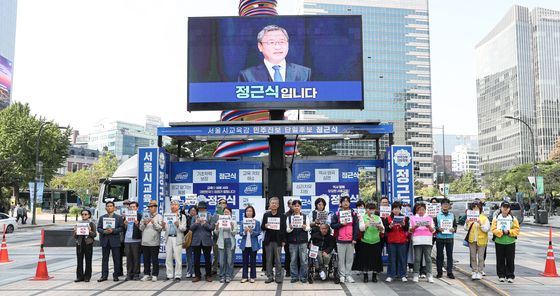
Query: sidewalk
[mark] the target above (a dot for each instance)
(46, 219)
(553, 221)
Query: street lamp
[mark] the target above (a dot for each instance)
(38, 170)
(444, 165)
(533, 148)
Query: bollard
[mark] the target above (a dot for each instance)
(65, 217)
(53, 218)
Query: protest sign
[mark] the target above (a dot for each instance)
(345, 216)
(108, 223)
(82, 229)
(274, 223)
(384, 211)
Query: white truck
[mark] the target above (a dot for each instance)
(119, 187)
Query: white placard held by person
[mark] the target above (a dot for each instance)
(274, 223)
(108, 223)
(82, 229)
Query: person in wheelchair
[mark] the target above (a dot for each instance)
(327, 244)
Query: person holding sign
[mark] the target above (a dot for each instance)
(132, 241)
(220, 207)
(326, 243)
(84, 234)
(174, 225)
(422, 229)
(297, 228)
(506, 229)
(274, 225)
(191, 217)
(446, 226)
(371, 247)
(225, 231)
(477, 236)
(251, 229)
(345, 223)
(202, 241)
(396, 233)
(110, 227)
(319, 215)
(151, 226)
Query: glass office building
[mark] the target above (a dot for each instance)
(518, 74)
(397, 86)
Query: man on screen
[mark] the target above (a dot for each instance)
(272, 42)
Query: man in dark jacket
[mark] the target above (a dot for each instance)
(132, 242)
(110, 239)
(326, 243)
(274, 225)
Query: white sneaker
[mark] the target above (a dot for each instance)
(389, 279)
(349, 279)
(154, 278)
(422, 276)
(244, 280)
(322, 275)
(146, 278)
(502, 280)
(430, 278)
(404, 279)
(478, 276)
(252, 280)
(483, 273)
(341, 279)
(510, 281)
(474, 276)
(415, 278)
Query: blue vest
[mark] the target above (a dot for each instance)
(440, 216)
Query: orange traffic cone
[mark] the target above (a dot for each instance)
(4, 258)
(42, 274)
(550, 266)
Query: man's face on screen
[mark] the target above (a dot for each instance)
(274, 46)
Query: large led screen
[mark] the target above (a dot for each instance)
(5, 81)
(275, 62)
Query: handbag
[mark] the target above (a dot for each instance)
(187, 240)
(466, 240)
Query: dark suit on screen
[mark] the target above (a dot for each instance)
(294, 72)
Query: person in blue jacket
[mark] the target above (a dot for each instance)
(250, 244)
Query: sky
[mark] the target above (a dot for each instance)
(78, 62)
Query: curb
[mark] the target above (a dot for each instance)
(486, 283)
(35, 226)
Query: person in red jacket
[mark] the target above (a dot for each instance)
(396, 234)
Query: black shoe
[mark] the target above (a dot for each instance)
(116, 279)
(269, 280)
(304, 281)
(177, 279)
(439, 275)
(451, 276)
(374, 277)
(86, 280)
(288, 274)
(102, 279)
(366, 277)
(78, 280)
(294, 280)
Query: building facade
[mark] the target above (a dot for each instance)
(79, 158)
(517, 74)
(8, 15)
(463, 160)
(397, 85)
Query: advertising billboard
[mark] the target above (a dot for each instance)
(5, 81)
(279, 62)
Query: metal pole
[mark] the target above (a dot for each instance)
(444, 162)
(38, 142)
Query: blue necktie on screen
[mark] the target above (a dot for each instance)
(277, 76)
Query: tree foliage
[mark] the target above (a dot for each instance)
(316, 148)
(86, 181)
(554, 155)
(18, 137)
(465, 184)
(193, 149)
(366, 184)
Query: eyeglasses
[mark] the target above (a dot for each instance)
(85, 214)
(274, 43)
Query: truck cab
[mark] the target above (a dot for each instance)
(119, 187)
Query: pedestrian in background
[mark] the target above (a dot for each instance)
(151, 226)
(478, 241)
(84, 248)
(506, 229)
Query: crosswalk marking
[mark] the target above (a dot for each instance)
(537, 234)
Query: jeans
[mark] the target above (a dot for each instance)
(207, 262)
(84, 251)
(226, 260)
(132, 251)
(505, 261)
(448, 245)
(151, 261)
(273, 250)
(117, 263)
(419, 252)
(397, 260)
(190, 260)
(298, 251)
(323, 261)
(249, 258)
(345, 259)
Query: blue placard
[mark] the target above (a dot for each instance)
(402, 173)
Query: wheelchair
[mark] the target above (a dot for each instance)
(331, 272)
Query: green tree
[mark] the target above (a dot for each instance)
(193, 149)
(316, 148)
(86, 181)
(366, 184)
(18, 137)
(427, 191)
(555, 153)
(493, 186)
(465, 184)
